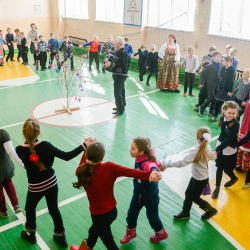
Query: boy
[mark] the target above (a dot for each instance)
(10, 44)
(208, 57)
(42, 52)
(235, 62)
(17, 40)
(53, 48)
(68, 48)
(128, 47)
(2, 42)
(24, 49)
(35, 50)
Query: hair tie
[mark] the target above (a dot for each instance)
(89, 162)
(34, 157)
(207, 136)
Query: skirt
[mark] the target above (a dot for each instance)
(227, 162)
(222, 96)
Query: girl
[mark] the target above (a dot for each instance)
(199, 158)
(152, 63)
(38, 157)
(169, 73)
(226, 146)
(191, 65)
(226, 83)
(7, 171)
(243, 87)
(142, 61)
(98, 180)
(145, 194)
(243, 157)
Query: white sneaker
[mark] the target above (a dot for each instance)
(246, 186)
(141, 82)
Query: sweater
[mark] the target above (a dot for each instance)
(128, 47)
(100, 192)
(152, 62)
(47, 153)
(191, 63)
(243, 89)
(23, 42)
(226, 79)
(208, 58)
(108, 47)
(199, 170)
(143, 55)
(41, 47)
(9, 38)
(18, 40)
(53, 44)
(32, 34)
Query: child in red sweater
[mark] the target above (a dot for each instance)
(146, 194)
(98, 180)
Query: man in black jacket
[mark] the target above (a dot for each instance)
(211, 75)
(119, 74)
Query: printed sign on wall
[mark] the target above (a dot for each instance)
(132, 12)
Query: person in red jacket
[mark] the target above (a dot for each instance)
(94, 49)
(98, 180)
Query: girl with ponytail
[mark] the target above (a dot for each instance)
(98, 178)
(199, 158)
(38, 157)
(226, 146)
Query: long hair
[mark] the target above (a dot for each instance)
(94, 154)
(144, 144)
(31, 130)
(228, 105)
(202, 153)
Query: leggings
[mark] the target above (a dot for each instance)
(219, 174)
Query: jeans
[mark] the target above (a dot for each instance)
(210, 99)
(51, 196)
(92, 56)
(189, 80)
(151, 203)
(101, 228)
(119, 92)
(11, 52)
(11, 192)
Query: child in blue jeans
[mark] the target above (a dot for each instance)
(146, 194)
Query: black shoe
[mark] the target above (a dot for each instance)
(147, 84)
(98, 71)
(210, 211)
(34, 64)
(61, 240)
(201, 112)
(90, 69)
(239, 169)
(181, 216)
(211, 113)
(45, 67)
(197, 105)
(12, 60)
(231, 182)
(216, 192)
(177, 91)
(42, 69)
(117, 113)
(7, 60)
(29, 236)
(115, 108)
(26, 63)
(103, 71)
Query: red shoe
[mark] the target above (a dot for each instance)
(185, 94)
(159, 236)
(83, 246)
(130, 234)
(191, 95)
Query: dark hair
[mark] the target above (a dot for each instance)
(32, 24)
(31, 130)
(17, 30)
(204, 64)
(94, 154)
(144, 144)
(40, 36)
(227, 58)
(216, 53)
(213, 48)
(228, 105)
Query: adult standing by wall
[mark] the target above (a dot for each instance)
(119, 74)
(168, 78)
(33, 33)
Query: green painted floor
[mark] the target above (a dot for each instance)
(171, 135)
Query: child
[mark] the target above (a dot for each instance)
(228, 47)
(128, 47)
(7, 171)
(235, 62)
(152, 63)
(36, 52)
(68, 48)
(226, 146)
(243, 87)
(208, 57)
(42, 52)
(225, 86)
(94, 49)
(17, 40)
(53, 48)
(98, 180)
(38, 157)
(24, 49)
(145, 194)
(199, 158)
(109, 46)
(191, 65)
(10, 43)
(2, 42)
(203, 87)
(142, 62)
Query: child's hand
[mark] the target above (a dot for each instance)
(230, 94)
(176, 63)
(243, 104)
(89, 140)
(215, 153)
(26, 45)
(80, 46)
(201, 85)
(9, 44)
(163, 168)
(155, 176)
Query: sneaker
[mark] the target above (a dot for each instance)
(185, 94)
(45, 67)
(90, 69)
(231, 182)
(34, 64)
(211, 113)
(213, 118)
(26, 63)
(216, 192)
(197, 105)
(197, 109)
(147, 84)
(191, 95)
(210, 213)
(201, 112)
(246, 186)
(115, 108)
(98, 71)
(4, 215)
(181, 216)
(17, 209)
(177, 91)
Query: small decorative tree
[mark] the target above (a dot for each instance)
(70, 83)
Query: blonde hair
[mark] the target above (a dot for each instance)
(247, 70)
(234, 50)
(65, 36)
(153, 47)
(143, 46)
(190, 48)
(228, 105)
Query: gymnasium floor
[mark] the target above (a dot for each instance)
(167, 119)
